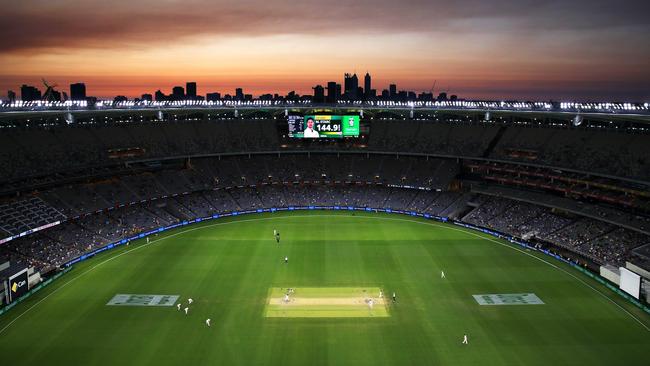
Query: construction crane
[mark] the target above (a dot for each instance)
(50, 95)
(433, 87)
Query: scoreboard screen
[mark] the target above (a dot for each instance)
(323, 126)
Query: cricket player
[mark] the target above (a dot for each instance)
(178, 306)
(286, 259)
(147, 240)
(442, 274)
(275, 232)
(394, 297)
(381, 294)
(465, 339)
(187, 309)
(370, 303)
(207, 322)
(190, 301)
(286, 298)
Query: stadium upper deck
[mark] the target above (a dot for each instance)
(443, 105)
(42, 143)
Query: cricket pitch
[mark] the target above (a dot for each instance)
(326, 302)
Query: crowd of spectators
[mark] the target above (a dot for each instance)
(44, 149)
(598, 241)
(103, 210)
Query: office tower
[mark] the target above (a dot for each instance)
(29, 93)
(190, 89)
(178, 93)
(351, 84)
(319, 94)
(78, 91)
(239, 94)
(331, 92)
(393, 91)
(367, 85)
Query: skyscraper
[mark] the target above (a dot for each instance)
(393, 91)
(160, 96)
(190, 89)
(78, 91)
(239, 94)
(351, 85)
(178, 93)
(29, 93)
(367, 85)
(319, 94)
(333, 92)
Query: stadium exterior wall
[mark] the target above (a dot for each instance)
(512, 240)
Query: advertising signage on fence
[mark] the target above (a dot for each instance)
(17, 285)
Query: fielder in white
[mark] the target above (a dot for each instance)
(465, 339)
(190, 301)
(178, 306)
(370, 303)
(442, 274)
(186, 310)
(286, 298)
(207, 322)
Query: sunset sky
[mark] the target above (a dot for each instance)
(572, 49)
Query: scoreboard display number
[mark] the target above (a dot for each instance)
(323, 126)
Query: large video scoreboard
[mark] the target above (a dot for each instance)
(323, 126)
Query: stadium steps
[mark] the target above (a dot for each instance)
(457, 206)
(495, 140)
(410, 203)
(187, 209)
(56, 201)
(234, 201)
(156, 215)
(204, 198)
(174, 211)
(445, 173)
(128, 188)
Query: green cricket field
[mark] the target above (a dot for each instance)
(362, 289)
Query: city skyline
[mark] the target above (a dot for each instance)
(329, 92)
(500, 49)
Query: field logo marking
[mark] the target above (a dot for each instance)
(508, 299)
(143, 300)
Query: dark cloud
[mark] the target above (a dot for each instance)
(37, 24)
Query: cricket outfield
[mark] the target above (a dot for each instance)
(517, 307)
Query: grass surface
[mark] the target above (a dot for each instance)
(228, 266)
